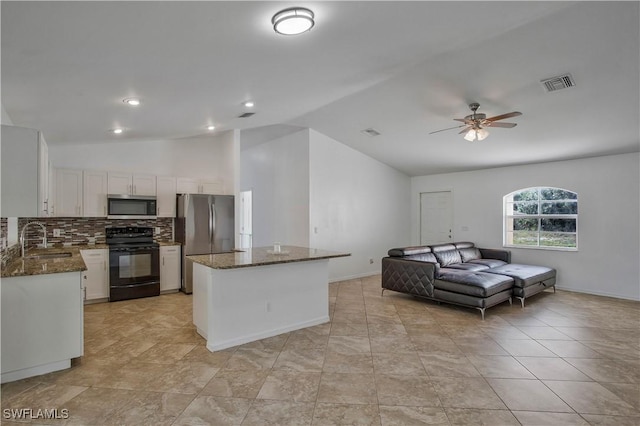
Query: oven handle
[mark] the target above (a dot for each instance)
(131, 250)
(136, 285)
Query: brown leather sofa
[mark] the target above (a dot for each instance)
(463, 274)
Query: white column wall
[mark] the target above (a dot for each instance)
(608, 217)
(358, 205)
(277, 173)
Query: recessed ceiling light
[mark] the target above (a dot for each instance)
(117, 131)
(249, 104)
(132, 101)
(211, 127)
(292, 21)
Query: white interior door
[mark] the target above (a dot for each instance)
(436, 217)
(246, 232)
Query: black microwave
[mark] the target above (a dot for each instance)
(131, 207)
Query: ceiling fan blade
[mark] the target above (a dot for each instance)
(503, 116)
(505, 125)
(465, 130)
(449, 128)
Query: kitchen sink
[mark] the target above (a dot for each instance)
(48, 256)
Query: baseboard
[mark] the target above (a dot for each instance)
(597, 293)
(12, 376)
(264, 334)
(353, 277)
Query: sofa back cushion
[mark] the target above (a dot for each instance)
(467, 254)
(464, 245)
(447, 254)
(408, 251)
(424, 257)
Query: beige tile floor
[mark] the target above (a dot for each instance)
(564, 359)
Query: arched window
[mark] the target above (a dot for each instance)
(541, 218)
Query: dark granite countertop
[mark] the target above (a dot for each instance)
(259, 256)
(19, 267)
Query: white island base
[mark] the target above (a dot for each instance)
(236, 306)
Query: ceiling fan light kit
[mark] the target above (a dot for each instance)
(475, 124)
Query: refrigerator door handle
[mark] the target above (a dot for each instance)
(213, 222)
(210, 223)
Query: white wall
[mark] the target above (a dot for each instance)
(608, 223)
(202, 157)
(358, 205)
(277, 172)
(4, 117)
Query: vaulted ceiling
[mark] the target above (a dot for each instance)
(403, 68)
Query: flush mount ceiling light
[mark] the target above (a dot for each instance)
(292, 21)
(211, 127)
(249, 104)
(131, 101)
(117, 131)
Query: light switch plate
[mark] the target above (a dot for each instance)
(56, 232)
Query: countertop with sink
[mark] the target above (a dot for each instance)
(52, 260)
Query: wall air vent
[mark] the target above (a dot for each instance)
(371, 132)
(246, 115)
(558, 83)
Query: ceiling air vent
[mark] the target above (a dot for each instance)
(246, 115)
(558, 83)
(371, 132)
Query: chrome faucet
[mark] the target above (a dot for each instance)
(24, 230)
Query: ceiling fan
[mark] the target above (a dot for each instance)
(475, 124)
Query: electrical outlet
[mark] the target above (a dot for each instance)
(56, 232)
(371, 261)
(157, 229)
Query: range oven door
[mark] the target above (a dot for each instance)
(134, 272)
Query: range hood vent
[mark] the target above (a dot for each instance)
(558, 83)
(246, 115)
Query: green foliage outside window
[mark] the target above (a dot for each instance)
(541, 217)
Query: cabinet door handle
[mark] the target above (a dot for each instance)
(134, 189)
(84, 290)
(162, 260)
(104, 265)
(105, 210)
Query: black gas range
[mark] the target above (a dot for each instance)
(134, 263)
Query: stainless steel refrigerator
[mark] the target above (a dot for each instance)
(204, 224)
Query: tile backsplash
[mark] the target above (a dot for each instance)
(80, 230)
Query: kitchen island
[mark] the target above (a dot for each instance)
(245, 296)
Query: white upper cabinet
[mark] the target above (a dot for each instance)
(69, 192)
(131, 184)
(24, 160)
(200, 186)
(94, 197)
(187, 185)
(166, 196)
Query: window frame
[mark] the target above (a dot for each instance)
(507, 227)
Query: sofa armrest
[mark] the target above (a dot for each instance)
(408, 276)
(504, 255)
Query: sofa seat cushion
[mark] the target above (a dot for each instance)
(525, 275)
(489, 263)
(477, 284)
(468, 266)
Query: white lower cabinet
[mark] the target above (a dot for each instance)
(42, 324)
(95, 280)
(170, 268)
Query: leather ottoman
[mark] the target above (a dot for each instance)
(527, 279)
